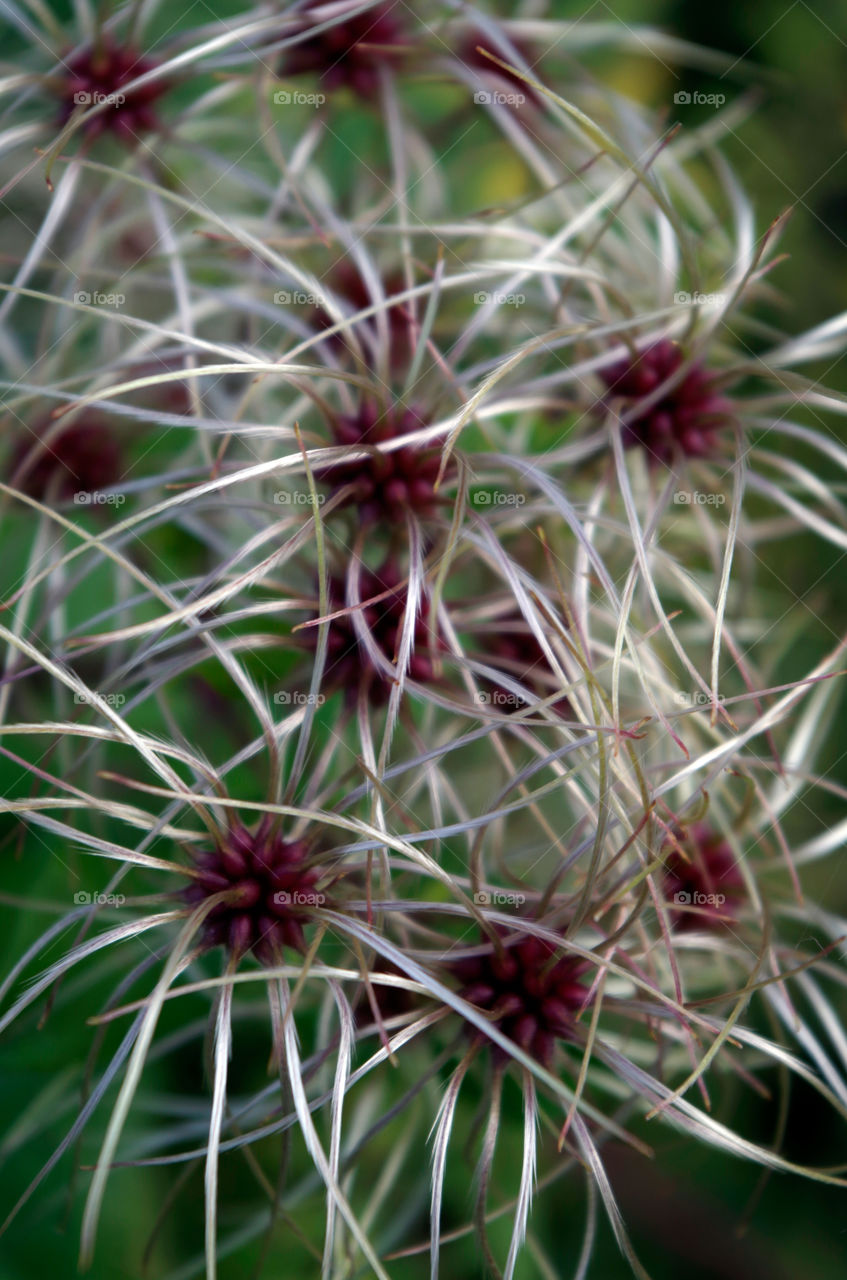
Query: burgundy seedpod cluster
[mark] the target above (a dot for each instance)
(351, 52)
(702, 880)
(272, 891)
(533, 997)
(83, 457)
(385, 484)
(686, 419)
(101, 72)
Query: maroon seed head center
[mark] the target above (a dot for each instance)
(270, 892)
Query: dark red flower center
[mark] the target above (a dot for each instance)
(99, 74)
(532, 994)
(271, 892)
(349, 52)
(384, 484)
(686, 418)
(82, 459)
(702, 881)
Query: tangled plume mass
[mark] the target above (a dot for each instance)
(415, 805)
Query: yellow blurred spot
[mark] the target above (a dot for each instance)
(500, 178)
(643, 79)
